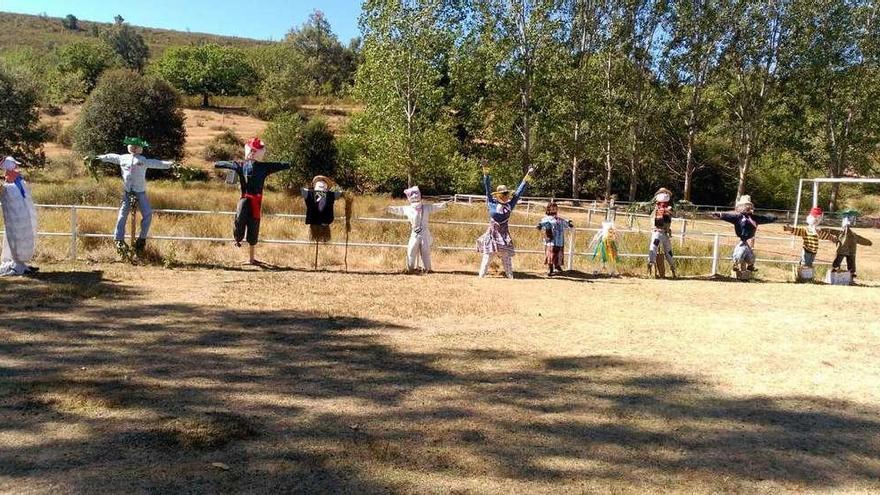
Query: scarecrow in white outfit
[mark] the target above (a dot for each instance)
(661, 233)
(134, 186)
(419, 215)
(19, 220)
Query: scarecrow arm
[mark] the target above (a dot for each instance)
(436, 206)
(226, 165)
(487, 185)
(397, 210)
(109, 158)
(158, 164)
(798, 231)
(272, 167)
(521, 189)
(762, 219)
(864, 241)
(827, 235)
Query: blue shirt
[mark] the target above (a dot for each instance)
(500, 212)
(557, 226)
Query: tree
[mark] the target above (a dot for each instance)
(20, 133)
(88, 58)
(125, 103)
(280, 78)
(70, 22)
(399, 82)
(834, 65)
(310, 147)
(206, 70)
(329, 66)
(128, 44)
(699, 32)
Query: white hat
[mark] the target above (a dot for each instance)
(10, 163)
(743, 200)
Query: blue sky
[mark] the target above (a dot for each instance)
(261, 19)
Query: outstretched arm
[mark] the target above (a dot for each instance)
(487, 184)
(435, 206)
(864, 241)
(109, 158)
(728, 217)
(521, 188)
(397, 210)
(272, 167)
(158, 164)
(762, 219)
(226, 165)
(798, 231)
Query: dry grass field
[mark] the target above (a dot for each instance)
(121, 379)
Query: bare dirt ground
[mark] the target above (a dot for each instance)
(120, 379)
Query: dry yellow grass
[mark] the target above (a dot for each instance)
(140, 379)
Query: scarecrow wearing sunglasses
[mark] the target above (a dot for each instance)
(554, 228)
(419, 214)
(19, 220)
(500, 205)
(661, 232)
(251, 174)
(134, 187)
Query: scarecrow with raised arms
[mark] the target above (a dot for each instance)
(497, 240)
(419, 214)
(19, 220)
(133, 166)
(251, 174)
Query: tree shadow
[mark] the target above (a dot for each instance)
(132, 396)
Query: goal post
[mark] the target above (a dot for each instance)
(826, 180)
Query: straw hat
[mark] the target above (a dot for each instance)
(744, 200)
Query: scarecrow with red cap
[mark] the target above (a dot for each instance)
(811, 235)
(19, 220)
(418, 214)
(133, 166)
(251, 174)
(500, 205)
(661, 233)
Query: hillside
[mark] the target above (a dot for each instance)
(44, 33)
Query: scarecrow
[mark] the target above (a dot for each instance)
(319, 200)
(19, 220)
(847, 242)
(554, 228)
(745, 225)
(251, 174)
(661, 233)
(604, 246)
(418, 214)
(134, 189)
(500, 205)
(811, 235)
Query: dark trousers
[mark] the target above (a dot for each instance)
(850, 262)
(245, 224)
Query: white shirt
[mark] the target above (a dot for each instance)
(134, 169)
(418, 215)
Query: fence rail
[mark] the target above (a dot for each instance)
(713, 237)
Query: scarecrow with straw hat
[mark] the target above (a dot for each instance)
(661, 233)
(500, 205)
(134, 181)
(811, 235)
(554, 228)
(19, 220)
(251, 174)
(419, 214)
(319, 201)
(847, 242)
(745, 225)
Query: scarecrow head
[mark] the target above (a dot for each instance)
(744, 204)
(254, 149)
(135, 145)
(502, 194)
(552, 209)
(662, 197)
(815, 216)
(10, 168)
(848, 217)
(322, 183)
(413, 194)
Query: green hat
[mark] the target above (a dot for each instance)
(136, 141)
(849, 212)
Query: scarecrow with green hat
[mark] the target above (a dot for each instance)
(847, 242)
(134, 187)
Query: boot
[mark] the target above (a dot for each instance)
(121, 248)
(550, 271)
(140, 245)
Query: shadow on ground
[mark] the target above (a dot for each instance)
(130, 396)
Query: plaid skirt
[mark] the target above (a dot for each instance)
(496, 240)
(553, 255)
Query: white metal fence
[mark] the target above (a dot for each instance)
(683, 232)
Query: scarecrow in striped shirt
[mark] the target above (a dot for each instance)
(811, 235)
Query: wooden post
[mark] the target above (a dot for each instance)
(716, 245)
(684, 224)
(571, 250)
(589, 217)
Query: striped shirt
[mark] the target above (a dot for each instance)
(811, 237)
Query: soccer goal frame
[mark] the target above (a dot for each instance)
(826, 180)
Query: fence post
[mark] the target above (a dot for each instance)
(571, 250)
(73, 233)
(716, 252)
(590, 217)
(631, 218)
(684, 225)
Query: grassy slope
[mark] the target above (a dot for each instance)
(45, 33)
(121, 379)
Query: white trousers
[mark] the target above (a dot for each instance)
(419, 245)
(660, 240)
(506, 261)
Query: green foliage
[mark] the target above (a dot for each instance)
(309, 146)
(206, 70)
(128, 44)
(328, 66)
(125, 103)
(225, 146)
(20, 135)
(41, 74)
(70, 22)
(88, 58)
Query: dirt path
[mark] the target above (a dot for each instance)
(139, 379)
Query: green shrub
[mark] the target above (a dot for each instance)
(309, 146)
(21, 134)
(124, 103)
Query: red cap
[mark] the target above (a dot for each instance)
(816, 211)
(255, 143)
